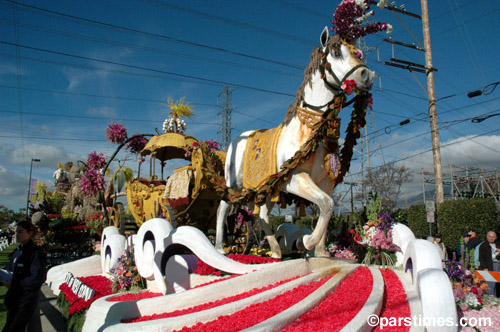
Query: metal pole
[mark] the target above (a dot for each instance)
(436, 154)
(29, 185)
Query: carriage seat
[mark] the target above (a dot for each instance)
(178, 184)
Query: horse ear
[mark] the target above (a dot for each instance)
(324, 37)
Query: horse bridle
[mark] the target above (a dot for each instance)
(327, 67)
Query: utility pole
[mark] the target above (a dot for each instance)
(436, 152)
(225, 113)
(429, 70)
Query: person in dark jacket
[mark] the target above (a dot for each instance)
(489, 253)
(474, 241)
(29, 272)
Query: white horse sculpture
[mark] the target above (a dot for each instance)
(332, 63)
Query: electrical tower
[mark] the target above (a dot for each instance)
(225, 116)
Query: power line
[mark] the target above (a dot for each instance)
(147, 69)
(155, 35)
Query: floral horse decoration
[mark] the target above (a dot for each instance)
(308, 160)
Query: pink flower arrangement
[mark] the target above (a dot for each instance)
(337, 251)
(486, 315)
(137, 143)
(91, 182)
(96, 161)
(348, 18)
(212, 145)
(116, 133)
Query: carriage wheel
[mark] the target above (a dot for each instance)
(117, 217)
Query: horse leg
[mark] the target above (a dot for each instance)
(320, 249)
(222, 212)
(303, 186)
(264, 222)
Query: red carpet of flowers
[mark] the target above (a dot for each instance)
(258, 312)
(208, 305)
(395, 301)
(340, 307)
(133, 297)
(205, 269)
(101, 285)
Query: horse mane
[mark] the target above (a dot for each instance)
(333, 43)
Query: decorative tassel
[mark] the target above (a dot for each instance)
(256, 210)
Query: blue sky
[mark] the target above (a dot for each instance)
(82, 64)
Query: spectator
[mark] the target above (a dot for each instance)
(430, 239)
(29, 272)
(489, 253)
(474, 241)
(440, 246)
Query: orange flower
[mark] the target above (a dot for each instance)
(128, 274)
(370, 223)
(466, 290)
(484, 286)
(137, 278)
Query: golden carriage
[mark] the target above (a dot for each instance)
(185, 197)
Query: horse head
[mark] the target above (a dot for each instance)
(341, 61)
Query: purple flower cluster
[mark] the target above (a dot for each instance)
(454, 270)
(96, 161)
(347, 23)
(135, 145)
(385, 222)
(212, 145)
(116, 133)
(91, 182)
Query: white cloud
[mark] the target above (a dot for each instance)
(104, 111)
(49, 155)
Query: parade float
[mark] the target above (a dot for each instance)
(317, 293)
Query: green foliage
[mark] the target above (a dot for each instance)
(400, 216)
(373, 208)
(8, 216)
(122, 175)
(456, 217)
(74, 322)
(417, 221)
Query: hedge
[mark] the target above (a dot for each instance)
(456, 217)
(417, 222)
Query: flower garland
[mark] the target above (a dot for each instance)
(258, 312)
(340, 307)
(322, 134)
(101, 286)
(395, 303)
(209, 305)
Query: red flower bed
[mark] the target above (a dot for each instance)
(340, 307)
(395, 301)
(204, 269)
(208, 305)
(258, 312)
(101, 285)
(133, 297)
